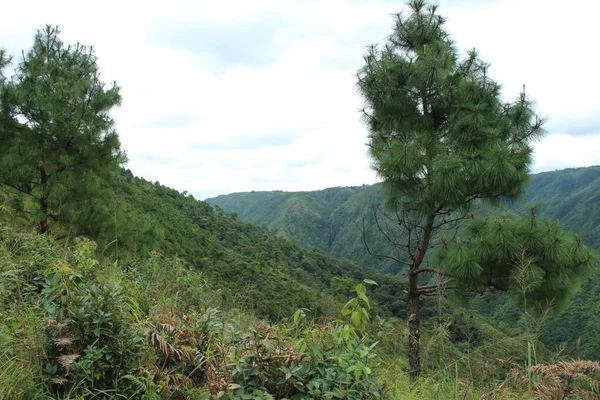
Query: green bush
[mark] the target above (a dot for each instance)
(320, 361)
(91, 339)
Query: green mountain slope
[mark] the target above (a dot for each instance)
(331, 219)
(267, 275)
(571, 196)
(308, 217)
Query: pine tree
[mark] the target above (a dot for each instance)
(441, 138)
(59, 141)
(4, 61)
(532, 257)
(5, 118)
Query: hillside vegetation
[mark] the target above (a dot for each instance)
(331, 219)
(115, 287)
(150, 316)
(570, 196)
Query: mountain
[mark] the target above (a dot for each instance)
(331, 219)
(335, 224)
(571, 196)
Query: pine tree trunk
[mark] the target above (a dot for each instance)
(414, 326)
(44, 223)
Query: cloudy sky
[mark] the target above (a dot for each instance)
(223, 96)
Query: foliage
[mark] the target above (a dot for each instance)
(354, 309)
(91, 340)
(323, 361)
(180, 344)
(56, 127)
(529, 255)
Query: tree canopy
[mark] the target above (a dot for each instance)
(57, 125)
(440, 134)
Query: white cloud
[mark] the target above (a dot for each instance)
(560, 151)
(224, 96)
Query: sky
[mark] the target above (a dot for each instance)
(231, 96)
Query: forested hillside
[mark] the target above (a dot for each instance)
(174, 264)
(330, 219)
(268, 275)
(570, 196)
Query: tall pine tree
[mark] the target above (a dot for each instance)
(58, 141)
(441, 138)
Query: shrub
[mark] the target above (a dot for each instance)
(91, 339)
(320, 361)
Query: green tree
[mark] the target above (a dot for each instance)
(441, 138)
(4, 61)
(58, 140)
(5, 119)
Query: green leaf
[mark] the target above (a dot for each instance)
(365, 313)
(356, 319)
(364, 298)
(349, 306)
(369, 282)
(360, 289)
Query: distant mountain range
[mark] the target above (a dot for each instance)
(331, 220)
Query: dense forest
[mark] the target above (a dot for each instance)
(441, 282)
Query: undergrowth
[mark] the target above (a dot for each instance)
(75, 326)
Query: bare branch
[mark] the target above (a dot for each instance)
(18, 189)
(436, 292)
(378, 255)
(384, 233)
(429, 269)
(453, 220)
(435, 286)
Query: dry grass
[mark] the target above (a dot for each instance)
(563, 380)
